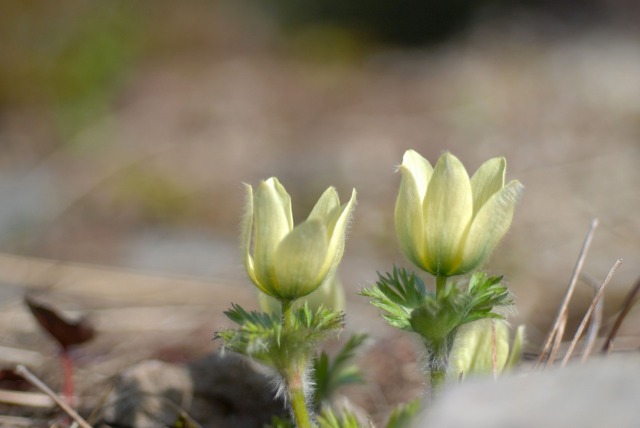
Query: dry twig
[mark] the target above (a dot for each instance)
(561, 318)
(596, 320)
(33, 379)
(629, 301)
(589, 312)
(557, 340)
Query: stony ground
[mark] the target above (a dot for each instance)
(155, 186)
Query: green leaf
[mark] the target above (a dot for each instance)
(278, 422)
(240, 316)
(397, 294)
(436, 319)
(328, 419)
(403, 415)
(331, 374)
(483, 295)
(262, 337)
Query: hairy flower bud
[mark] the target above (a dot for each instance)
(447, 223)
(288, 262)
(483, 347)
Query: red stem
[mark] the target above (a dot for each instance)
(67, 378)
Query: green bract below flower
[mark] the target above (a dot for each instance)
(447, 223)
(291, 262)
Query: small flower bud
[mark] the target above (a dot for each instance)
(288, 262)
(482, 347)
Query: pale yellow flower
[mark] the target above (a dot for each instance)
(288, 262)
(447, 223)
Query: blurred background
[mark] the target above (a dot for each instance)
(128, 128)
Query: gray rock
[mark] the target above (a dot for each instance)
(233, 391)
(601, 393)
(149, 394)
(221, 390)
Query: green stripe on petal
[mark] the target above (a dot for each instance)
(490, 225)
(409, 219)
(272, 223)
(487, 180)
(448, 208)
(299, 260)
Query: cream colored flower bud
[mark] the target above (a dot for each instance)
(447, 223)
(482, 347)
(288, 262)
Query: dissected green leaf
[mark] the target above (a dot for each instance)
(262, 336)
(483, 295)
(331, 374)
(278, 422)
(397, 294)
(407, 305)
(329, 419)
(403, 415)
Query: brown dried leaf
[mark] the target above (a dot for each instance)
(66, 332)
(9, 379)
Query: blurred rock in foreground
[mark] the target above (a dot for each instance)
(221, 390)
(600, 393)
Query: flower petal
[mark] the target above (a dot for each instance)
(337, 235)
(298, 263)
(420, 168)
(515, 355)
(490, 225)
(247, 226)
(481, 345)
(487, 180)
(326, 207)
(272, 214)
(409, 219)
(329, 295)
(448, 209)
(284, 198)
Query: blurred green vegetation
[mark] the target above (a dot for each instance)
(67, 64)
(66, 61)
(151, 196)
(327, 44)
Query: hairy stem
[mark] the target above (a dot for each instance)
(298, 404)
(294, 376)
(438, 364)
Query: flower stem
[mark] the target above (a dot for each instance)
(441, 285)
(298, 404)
(437, 379)
(67, 377)
(293, 375)
(287, 321)
(438, 364)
